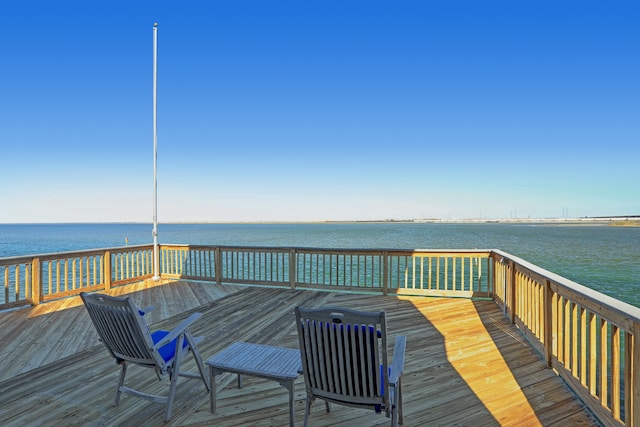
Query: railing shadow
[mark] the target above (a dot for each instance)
(545, 389)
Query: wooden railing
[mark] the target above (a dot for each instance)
(418, 272)
(40, 278)
(588, 338)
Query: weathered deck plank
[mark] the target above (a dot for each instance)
(465, 364)
(43, 334)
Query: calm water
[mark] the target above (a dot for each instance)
(604, 258)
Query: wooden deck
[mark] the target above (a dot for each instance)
(465, 363)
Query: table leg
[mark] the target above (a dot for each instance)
(289, 386)
(292, 420)
(212, 377)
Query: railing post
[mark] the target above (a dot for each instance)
(106, 265)
(385, 273)
(218, 264)
(292, 268)
(491, 278)
(36, 281)
(156, 262)
(512, 291)
(548, 323)
(492, 281)
(492, 264)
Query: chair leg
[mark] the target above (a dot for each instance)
(399, 400)
(196, 355)
(396, 404)
(173, 378)
(307, 410)
(174, 373)
(123, 373)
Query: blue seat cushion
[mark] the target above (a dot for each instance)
(167, 351)
(378, 407)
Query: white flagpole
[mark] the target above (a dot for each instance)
(156, 258)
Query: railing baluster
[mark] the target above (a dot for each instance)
(593, 354)
(615, 371)
(17, 284)
(604, 362)
(583, 346)
(6, 282)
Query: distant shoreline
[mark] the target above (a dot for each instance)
(618, 221)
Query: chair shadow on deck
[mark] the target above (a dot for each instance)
(450, 356)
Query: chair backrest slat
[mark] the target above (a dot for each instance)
(122, 329)
(342, 351)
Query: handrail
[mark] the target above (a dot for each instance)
(588, 338)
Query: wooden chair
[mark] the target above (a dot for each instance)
(344, 360)
(123, 330)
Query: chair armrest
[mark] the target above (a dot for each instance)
(181, 328)
(397, 366)
(145, 310)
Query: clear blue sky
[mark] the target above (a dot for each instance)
(319, 110)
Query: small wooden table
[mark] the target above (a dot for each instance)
(273, 363)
